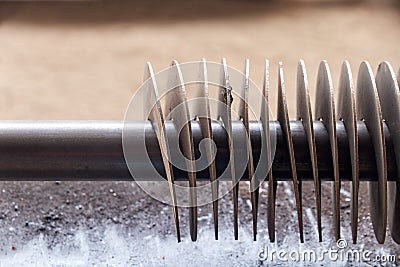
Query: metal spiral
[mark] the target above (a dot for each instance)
(374, 103)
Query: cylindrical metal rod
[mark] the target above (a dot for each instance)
(92, 150)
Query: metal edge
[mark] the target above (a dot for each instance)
(244, 116)
(369, 110)
(205, 125)
(224, 112)
(389, 96)
(347, 113)
(283, 119)
(305, 115)
(175, 98)
(157, 119)
(325, 111)
(272, 185)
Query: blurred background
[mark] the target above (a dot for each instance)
(84, 60)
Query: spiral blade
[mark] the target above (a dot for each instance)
(157, 120)
(204, 115)
(224, 112)
(244, 116)
(177, 105)
(267, 154)
(388, 91)
(325, 111)
(369, 110)
(375, 102)
(283, 118)
(305, 115)
(347, 113)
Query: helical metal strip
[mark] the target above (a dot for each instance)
(374, 101)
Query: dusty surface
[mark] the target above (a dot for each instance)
(85, 60)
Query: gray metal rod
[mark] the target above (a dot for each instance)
(92, 150)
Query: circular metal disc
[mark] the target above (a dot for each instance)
(389, 96)
(325, 111)
(347, 113)
(304, 114)
(283, 118)
(369, 110)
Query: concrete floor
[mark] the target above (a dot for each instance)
(73, 60)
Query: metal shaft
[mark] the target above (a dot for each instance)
(92, 150)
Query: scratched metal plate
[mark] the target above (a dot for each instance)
(304, 114)
(347, 113)
(325, 111)
(283, 118)
(369, 110)
(389, 96)
(157, 119)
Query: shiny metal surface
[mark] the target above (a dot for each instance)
(92, 151)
